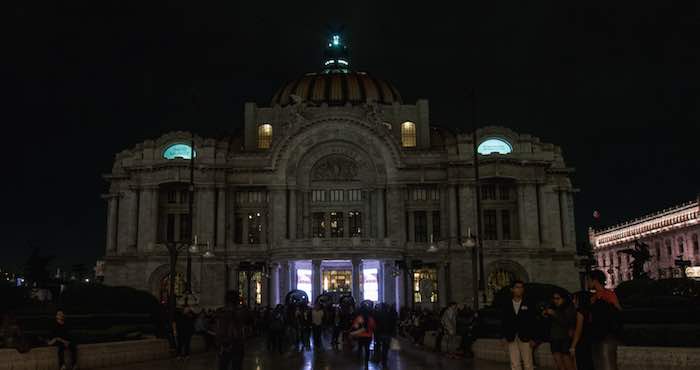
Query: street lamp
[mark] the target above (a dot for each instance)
(466, 243)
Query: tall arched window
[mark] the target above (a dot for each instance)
(264, 136)
(408, 134)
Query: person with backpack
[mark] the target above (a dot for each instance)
(362, 330)
(606, 323)
(230, 336)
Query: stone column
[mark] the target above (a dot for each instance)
(205, 214)
(233, 269)
(356, 279)
(467, 210)
(366, 214)
(305, 213)
(396, 214)
(277, 209)
(126, 240)
(381, 232)
(442, 286)
(274, 284)
(452, 207)
(283, 285)
(221, 218)
(112, 221)
(564, 209)
(551, 227)
(292, 275)
(148, 219)
(292, 213)
(527, 214)
(316, 279)
(388, 282)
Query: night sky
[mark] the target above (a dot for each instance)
(615, 86)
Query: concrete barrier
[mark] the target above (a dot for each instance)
(628, 358)
(94, 356)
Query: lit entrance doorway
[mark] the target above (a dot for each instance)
(337, 276)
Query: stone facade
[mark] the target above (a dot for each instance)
(342, 173)
(671, 234)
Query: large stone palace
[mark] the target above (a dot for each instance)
(670, 234)
(340, 186)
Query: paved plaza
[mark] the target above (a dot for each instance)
(258, 358)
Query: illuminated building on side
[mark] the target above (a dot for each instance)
(671, 234)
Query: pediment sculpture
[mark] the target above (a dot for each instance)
(335, 168)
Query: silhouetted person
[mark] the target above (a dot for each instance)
(184, 330)
(61, 339)
(581, 344)
(563, 323)
(317, 323)
(386, 321)
(605, 323)
(517, 321)
(362, 329)
(230, 336)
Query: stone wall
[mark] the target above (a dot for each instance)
(94, 356)
(628, 358)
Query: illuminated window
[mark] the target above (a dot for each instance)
(264, 136)
(304, 281)
(370, 284)
(494, 145)
(254, 227)
(355, 221)
(318, 227)
(182, 151)
(336, 221)
(408, 134)
(425, 286)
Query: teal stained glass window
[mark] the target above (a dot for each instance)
(183, 151)
(494, 145)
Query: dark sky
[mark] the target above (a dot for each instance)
(615, 86)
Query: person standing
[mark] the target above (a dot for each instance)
(230, 333)
(362, 330)
(448, 322)
(61, 339)
(317, 316)
(385, 321)
(517, 321)
(581, 342)
(605, 323)
(184, 330)
(563, 323)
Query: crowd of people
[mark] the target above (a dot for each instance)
(583, 329)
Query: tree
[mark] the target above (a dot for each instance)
(36, 269)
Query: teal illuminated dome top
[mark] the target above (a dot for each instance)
(337, 83)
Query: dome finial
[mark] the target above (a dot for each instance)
(336, 57)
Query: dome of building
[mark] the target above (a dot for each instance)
(337, 84)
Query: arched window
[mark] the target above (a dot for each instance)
(264, 136)
(408, 134)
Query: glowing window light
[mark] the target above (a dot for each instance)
(408, 134)
(183, 151)
(336, 40)
(494, 145)
(304, 281)
(370, 284)
(329, 62)
(264, 136)
(344, 62)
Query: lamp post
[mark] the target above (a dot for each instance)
(468, 243)
(479, 249)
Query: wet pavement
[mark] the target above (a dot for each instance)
(258, 358)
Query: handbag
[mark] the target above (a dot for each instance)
(395, 345)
